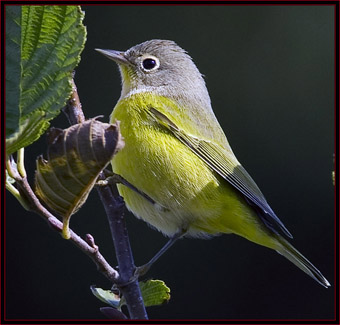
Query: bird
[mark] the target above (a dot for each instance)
(177, 154)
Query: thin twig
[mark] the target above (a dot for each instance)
(20, 162)
(114, 207)
(73, 109)
(12, 189)
(90, 250)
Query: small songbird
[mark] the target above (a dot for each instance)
(177, 154)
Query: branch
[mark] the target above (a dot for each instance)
(73, 109)
(89, 248)
(114, 207)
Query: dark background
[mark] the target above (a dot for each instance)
(269, 71)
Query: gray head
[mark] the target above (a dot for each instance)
(163, 67)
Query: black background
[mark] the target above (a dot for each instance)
(270, 73)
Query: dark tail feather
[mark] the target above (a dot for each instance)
(301, 262)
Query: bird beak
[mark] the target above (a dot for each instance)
(116, 56)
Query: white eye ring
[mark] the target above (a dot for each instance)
(149, 63)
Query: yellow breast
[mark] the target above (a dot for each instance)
(159, 165)
(188, 193)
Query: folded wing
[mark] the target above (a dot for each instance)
(223, 163)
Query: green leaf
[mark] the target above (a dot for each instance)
(154, 292)
(13, 70)
(30, 128)
(106, 296)
(52, 38)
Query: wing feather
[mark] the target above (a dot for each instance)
(224, 164)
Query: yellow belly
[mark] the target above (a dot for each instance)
(188, 193)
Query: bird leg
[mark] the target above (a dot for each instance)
(141, 270)
(115, 178)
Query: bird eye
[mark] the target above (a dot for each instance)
(150, 63)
